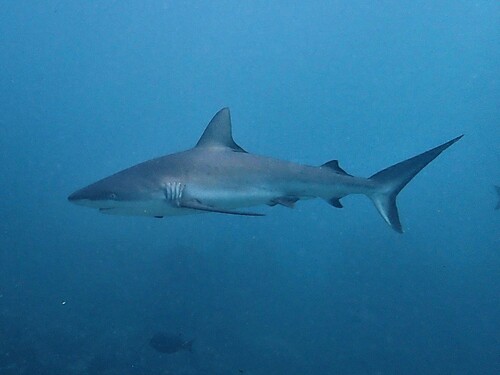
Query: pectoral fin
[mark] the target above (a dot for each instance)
(197, 205)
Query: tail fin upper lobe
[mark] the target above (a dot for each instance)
(393, 179)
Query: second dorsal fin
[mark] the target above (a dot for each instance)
(334, 165)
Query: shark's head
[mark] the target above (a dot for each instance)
(119, 194)
(97, 195)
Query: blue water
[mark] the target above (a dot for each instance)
(89, 88)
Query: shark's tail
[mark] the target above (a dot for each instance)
(393, 179)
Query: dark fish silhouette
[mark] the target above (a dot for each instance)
(497, 188)
(169, 343)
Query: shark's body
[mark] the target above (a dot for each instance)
(217, 175)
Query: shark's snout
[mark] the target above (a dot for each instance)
(79, 197)
(73, 197)
(101, 196)
(88, 196)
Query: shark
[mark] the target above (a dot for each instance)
(219, 176)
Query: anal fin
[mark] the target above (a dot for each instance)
(335, 202)
(197, 205)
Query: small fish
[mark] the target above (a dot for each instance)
(169, 343)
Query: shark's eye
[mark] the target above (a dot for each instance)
(112, 196)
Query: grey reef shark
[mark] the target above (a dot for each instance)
(217, 175)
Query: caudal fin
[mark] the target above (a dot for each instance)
(393, 179)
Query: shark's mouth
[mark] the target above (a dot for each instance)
(132, 211)
(113, 211)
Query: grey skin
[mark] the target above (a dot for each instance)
(217, 175)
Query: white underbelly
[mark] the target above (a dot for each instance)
(221, 199)
(147, 208)
(232, 198)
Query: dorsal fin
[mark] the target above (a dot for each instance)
(334, 164)
(218, 133)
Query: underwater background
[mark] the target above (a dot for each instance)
(90, 88)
